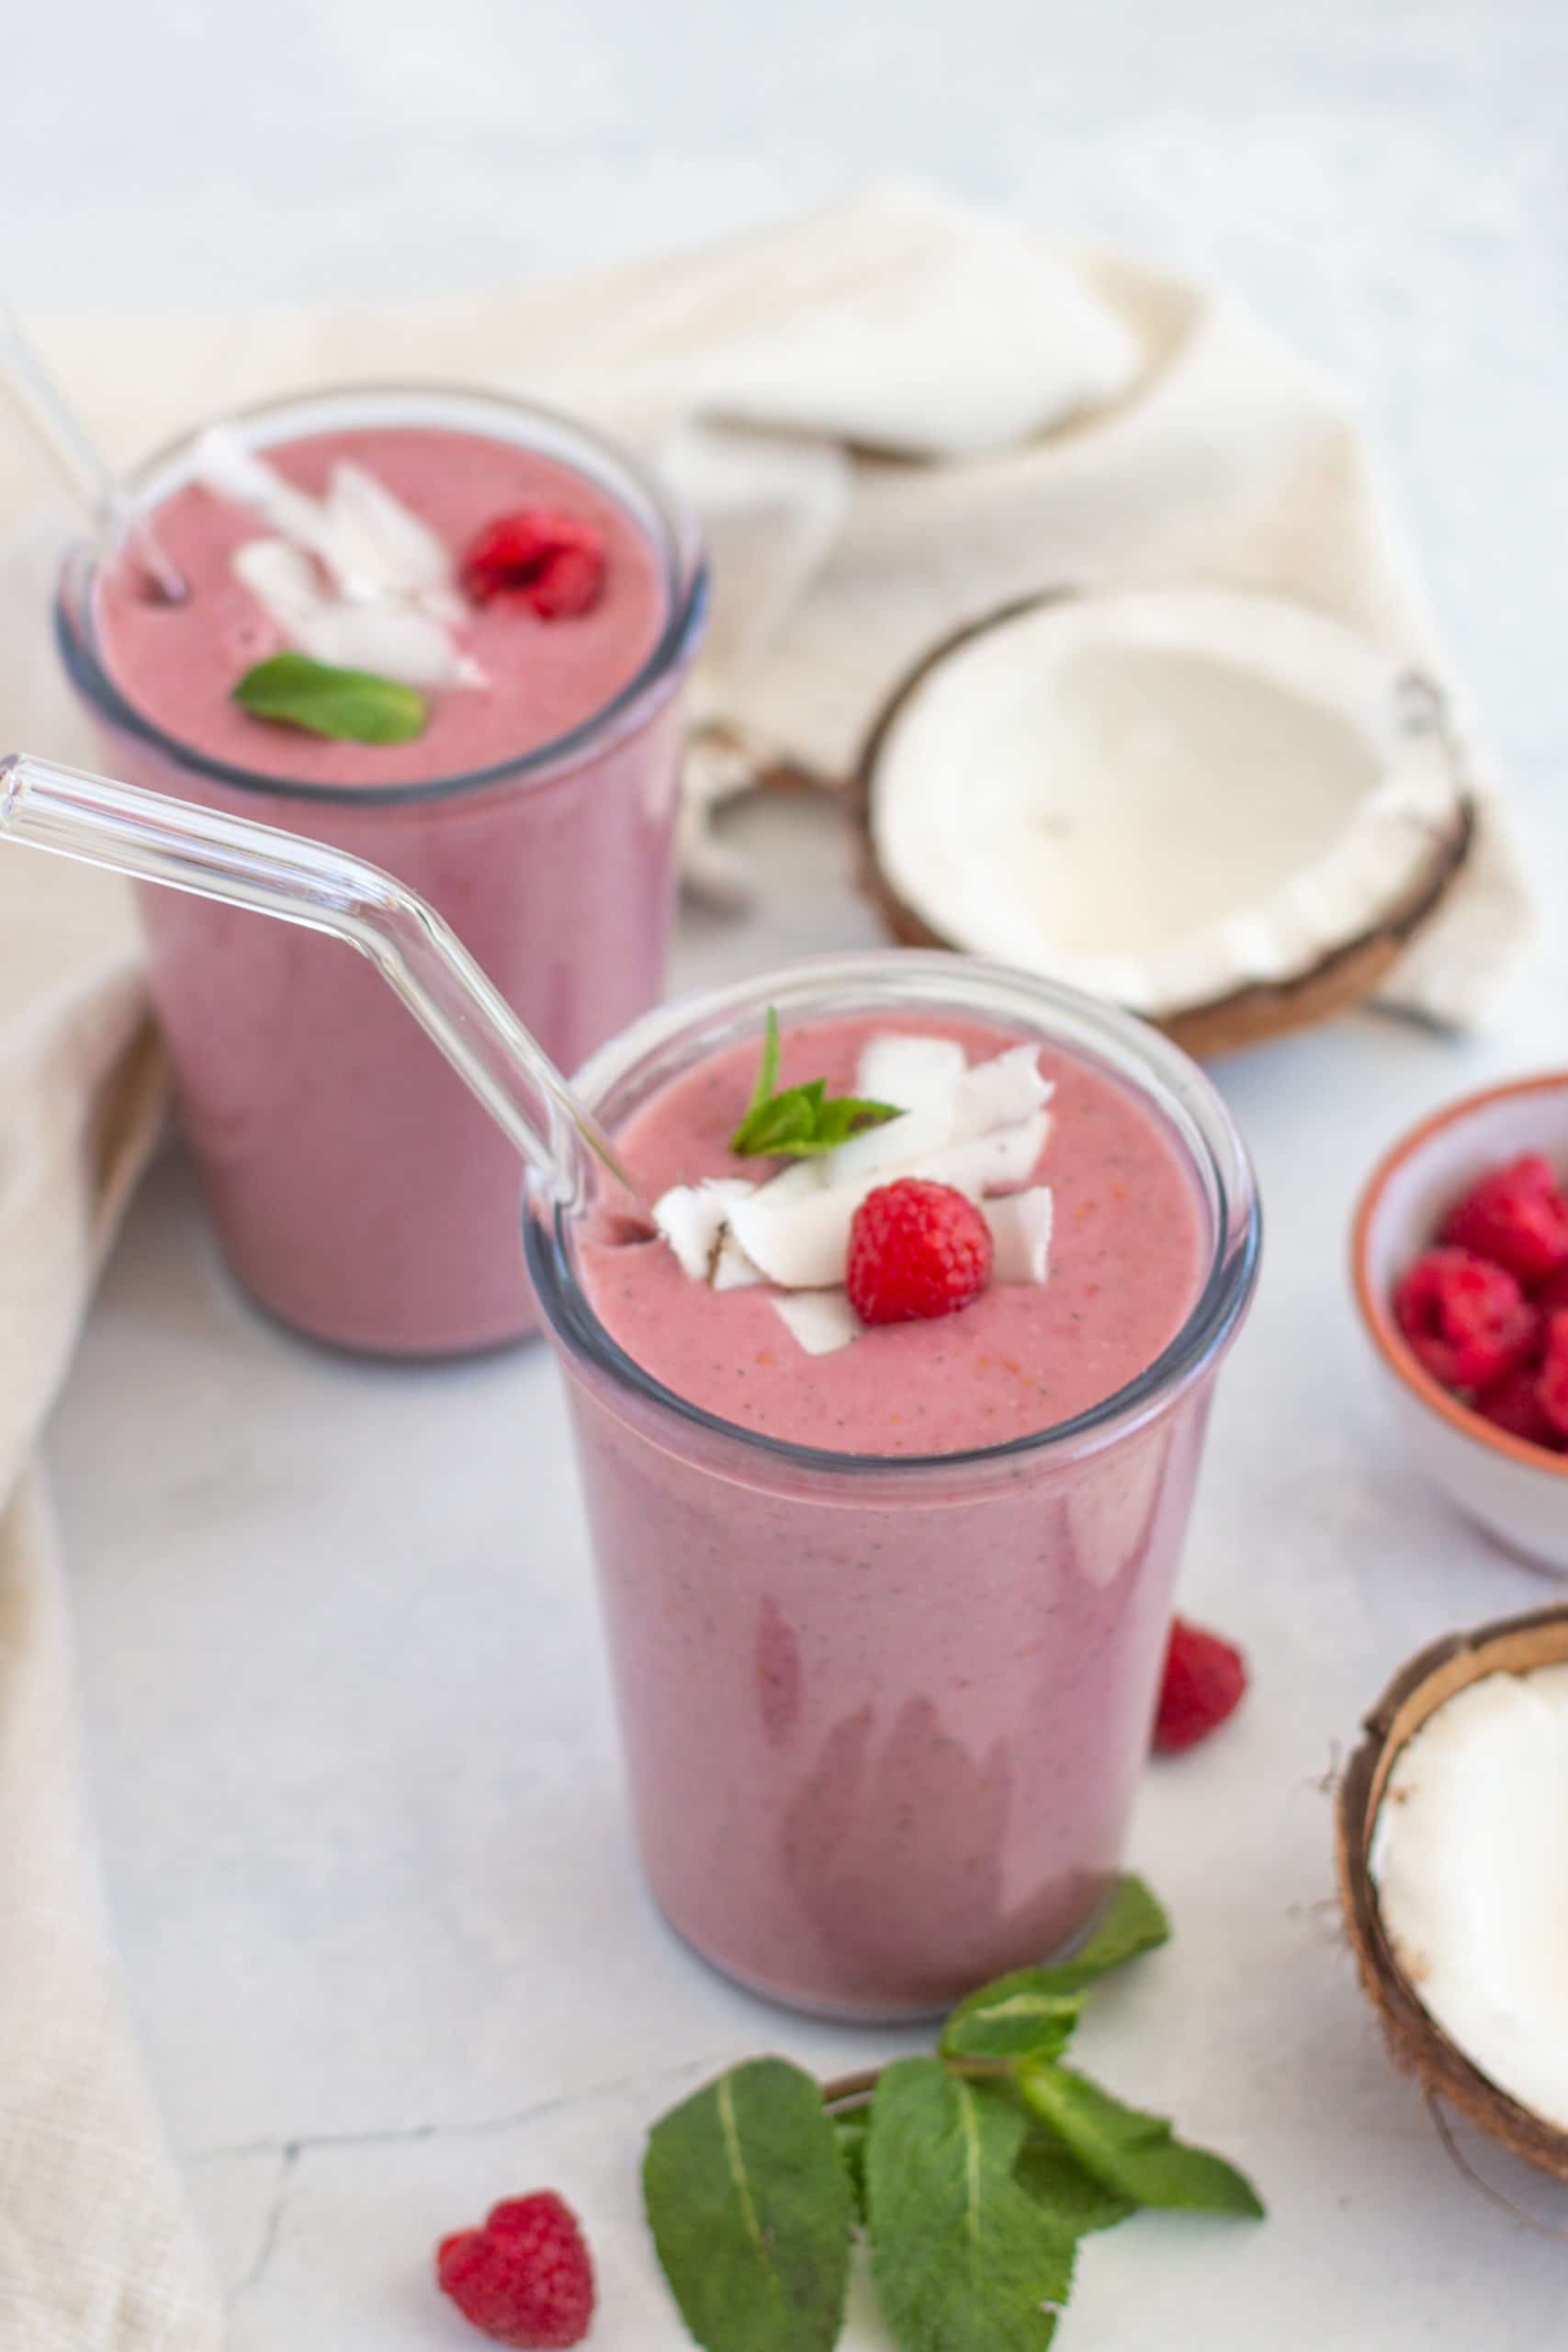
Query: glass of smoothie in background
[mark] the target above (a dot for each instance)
(888, 1625)
(358, 1191)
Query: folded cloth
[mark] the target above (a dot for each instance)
(893, 416)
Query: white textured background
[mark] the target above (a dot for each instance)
(350, 1742)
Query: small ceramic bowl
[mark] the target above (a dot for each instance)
(1517, 1492)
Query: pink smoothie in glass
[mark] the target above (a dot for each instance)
(358, 1191)
(885, 1718)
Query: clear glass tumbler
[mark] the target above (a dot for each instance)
(358, 1192)
(884, 1719)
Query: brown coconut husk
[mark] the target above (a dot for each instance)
(1418, 2047)
(1347, 976)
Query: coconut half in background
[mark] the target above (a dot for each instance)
(1452, 1842)
(1224, 811)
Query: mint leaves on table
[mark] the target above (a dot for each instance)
(961, 2253)
(751, 2210)
(803, 1122)
(974, 2173)
(351, 706)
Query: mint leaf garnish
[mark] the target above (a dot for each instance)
(1052, 2177)
(962, 2256)
(1134, 2154)
(1032, 2012)
(752, 2211)
(351, 706)
(801, 1123)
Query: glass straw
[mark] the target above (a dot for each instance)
(156, 839)
(77, 455)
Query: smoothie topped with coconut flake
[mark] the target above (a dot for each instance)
(883, 1238)
(491, 597)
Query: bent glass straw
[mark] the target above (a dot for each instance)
(247, 864)
(66, 439)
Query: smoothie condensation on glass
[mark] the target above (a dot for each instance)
(358, 1192)
(887, 1623)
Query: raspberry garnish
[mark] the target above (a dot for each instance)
(1516, 1216)
(916, 1249)
(1467, 1322)
(1205, 1677)
(525, 2278)
(1514, 1404)
(553, 563)
(1552, 1381)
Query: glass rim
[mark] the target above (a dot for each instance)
(1164, 1075)
(676, 541)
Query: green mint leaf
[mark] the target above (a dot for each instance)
(1052, 2177)
(801, 1122)
(752, 2211)
(1020, 2015)
(351, 706)
(1134, 2154)
(965, 2261)
(850, 2132)
(1032, 2012)
(1130, 1923)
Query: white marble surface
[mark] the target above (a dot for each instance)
(348, 1728)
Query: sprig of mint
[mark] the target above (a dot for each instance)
(973, 2172)
(351, 706)
(804, 1121)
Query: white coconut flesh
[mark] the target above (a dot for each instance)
(981, 1129)
(1469, 1859)
(1159, 797)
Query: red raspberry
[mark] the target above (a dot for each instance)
(1205, 1677)
(1551, 1382)
(554, 563)
(1514, 1404)
(1516, 1216)
(525, 2278)
(1467, 1322)
(1552, 1294)
(916, 1249)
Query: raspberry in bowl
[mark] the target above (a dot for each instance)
(1460, 1261)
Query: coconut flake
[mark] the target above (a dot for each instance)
(392, 604)
(991, 1163)
(1469, 1860)
(912, 1071)
(394, 642)
(693, 1220)
(801, 1242)
(1001, 1093)
(821, 1320)
(1020, 1235)
(895, 1144)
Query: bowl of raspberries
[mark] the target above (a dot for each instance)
(1459, 1258)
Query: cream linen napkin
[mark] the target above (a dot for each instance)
(893, 415)
(96, 2252)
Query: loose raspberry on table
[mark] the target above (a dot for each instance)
(1204, 1678)
(1467, 1322)
(525, 2277)
(916, 1249)
(553, 563)
(1516, 1216)
(1552, 1381)
(1514, 1404)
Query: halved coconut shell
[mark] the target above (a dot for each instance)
(1419, 2047)
(1318, 942)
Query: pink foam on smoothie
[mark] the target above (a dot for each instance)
(1127, 1262)
(178, 664)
